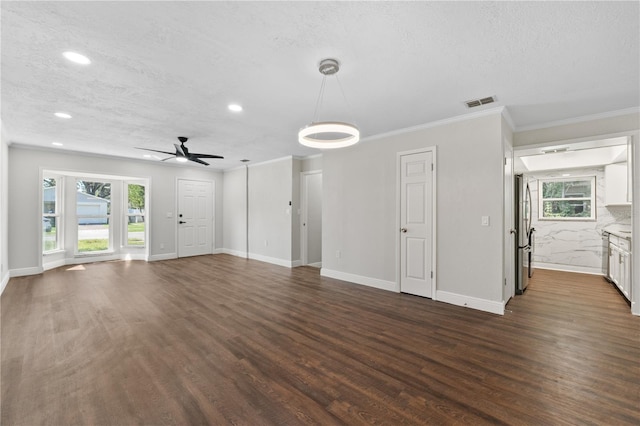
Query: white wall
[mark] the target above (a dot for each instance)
(270, 215)
(4, 209)
(296, 252)
(24, 210)
(359, 208)
(574, 245)
(234, 207)
(312, 163)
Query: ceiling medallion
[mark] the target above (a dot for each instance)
(328, 134)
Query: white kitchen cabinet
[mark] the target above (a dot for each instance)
(617, 185)
(620, 264)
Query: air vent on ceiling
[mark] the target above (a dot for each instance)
(477, 102)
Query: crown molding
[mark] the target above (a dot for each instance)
(581, 119)
(438, 123)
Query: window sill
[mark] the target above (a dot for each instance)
(95, 253)
(53, 252)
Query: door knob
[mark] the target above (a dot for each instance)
(181, 222)
(403, 229)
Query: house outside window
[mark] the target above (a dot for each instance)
(51, 214)
(567, 198)
(135, 215)
(93, 211)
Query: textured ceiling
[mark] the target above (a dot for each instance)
(167, 69)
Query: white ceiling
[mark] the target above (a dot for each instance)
(166, 69)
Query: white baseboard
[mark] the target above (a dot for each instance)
(470, 302)
(4, 282)
(262, 258)
(54, 264)
(273, 260)
(236, 253)
(218, 251)
(22, 272)
(568, 268)
(359, 279)
(166, 256)
(315, 265)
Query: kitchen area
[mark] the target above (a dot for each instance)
(575, 211)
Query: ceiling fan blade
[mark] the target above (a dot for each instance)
(155, 150)
(204, 156)
(168, 158)
(195, 160)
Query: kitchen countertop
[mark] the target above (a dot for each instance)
(621, 231)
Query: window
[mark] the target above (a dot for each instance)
(51, 218)
(93, 210)
(135, 219)
(567, 199)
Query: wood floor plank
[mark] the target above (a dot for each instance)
(224, 340)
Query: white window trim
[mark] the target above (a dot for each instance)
(58, 215)
(127, 215)
(592, 198)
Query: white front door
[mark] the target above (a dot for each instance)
(195, 217)
(416, 223)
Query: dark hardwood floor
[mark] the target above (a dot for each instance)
(223, 340)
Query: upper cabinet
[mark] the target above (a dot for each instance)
(617, 185)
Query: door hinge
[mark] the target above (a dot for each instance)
(431, 274)
(431, 166)
(505, 161)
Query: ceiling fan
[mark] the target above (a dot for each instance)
(182, 153)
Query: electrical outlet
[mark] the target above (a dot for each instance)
(266, 243)
(161, 246)
(338, 254)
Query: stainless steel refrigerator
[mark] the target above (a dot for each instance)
(523, 233)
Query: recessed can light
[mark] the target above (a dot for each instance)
(77, 58)
(182, 159)
(62, 115)
(147, 156)
(235, 107)
(56, 144)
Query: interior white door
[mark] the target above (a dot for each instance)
(195, 217)
(311, 224)
(416, 219)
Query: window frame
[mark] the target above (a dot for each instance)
(127, 215)
(57, 215)
(592, 198)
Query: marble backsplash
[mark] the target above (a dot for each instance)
(574, 245)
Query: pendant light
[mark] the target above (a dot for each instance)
(328, 134)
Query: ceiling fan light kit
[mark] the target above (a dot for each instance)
(328, 134)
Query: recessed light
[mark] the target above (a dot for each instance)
(56, 144)
(62, 115)
(182, 159)
(147, 156)
(235, 107)
(244, 161)
(77, 58)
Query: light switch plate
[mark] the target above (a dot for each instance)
(485, 220)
